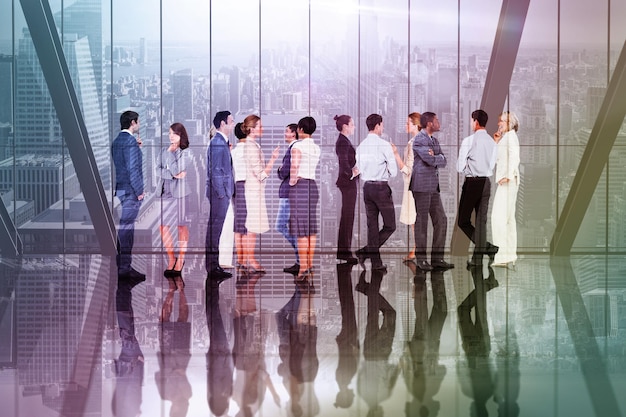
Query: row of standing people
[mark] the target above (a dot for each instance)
(376, 160)
(241, 176)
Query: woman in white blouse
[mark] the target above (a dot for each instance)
(304, 195)
(407, 211)
(503, 224)
(257, 172)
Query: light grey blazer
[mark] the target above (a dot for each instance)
(169, 164)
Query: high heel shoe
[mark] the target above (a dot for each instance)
(169, 273)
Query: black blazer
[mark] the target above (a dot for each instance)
(284, 172)
(347, 159)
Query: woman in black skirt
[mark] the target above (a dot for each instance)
(304, 194)
(239, 200)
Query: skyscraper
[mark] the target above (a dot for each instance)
(6, 89)
(182, 88)
(36, 125)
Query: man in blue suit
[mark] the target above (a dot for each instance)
(425, 187)
(128, 162)
(220, 186)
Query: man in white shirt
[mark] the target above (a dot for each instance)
(376, 163)
(477, 158)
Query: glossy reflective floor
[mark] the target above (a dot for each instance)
(545, 338)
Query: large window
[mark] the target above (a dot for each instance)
(183, 61)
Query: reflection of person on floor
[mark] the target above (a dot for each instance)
(129, 367)
(175, 283)
(250, 330)
(507, 386)
(477, 343)
(171, 378)
(219, 358)
(421, 370)
(297, 332)
(376, 377)
(347, 339)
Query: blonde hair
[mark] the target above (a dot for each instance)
(512, 122)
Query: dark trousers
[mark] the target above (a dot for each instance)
(217, 214)
(126, 232)
(429, 204)
(378, 200)
(475, 198)
(377, 344)
(346, 222)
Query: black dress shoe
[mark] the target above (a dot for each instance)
(218, 274)
(490, 284)
(132, 276)
(441, 264)
(293, 269)
(474, 264)
(362, 287)
(491, 251)
(379, 267)
(361, 255)
(424, 266)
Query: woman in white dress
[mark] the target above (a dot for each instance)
(407, 211)
(257, 172)
(503, 224)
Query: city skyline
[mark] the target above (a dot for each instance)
(543, 326)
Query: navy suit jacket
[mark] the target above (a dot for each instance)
(220, 181)
(128, 162)
(346, 154)
(283, 173)
(425, 175)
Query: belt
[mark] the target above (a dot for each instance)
(376, 182)
(475, 178)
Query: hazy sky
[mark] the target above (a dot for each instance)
(288, 20)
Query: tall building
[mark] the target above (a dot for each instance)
(182, 89)
(6, 140)
(595, 96)
(41, 179)
(143, 51)
(235, 90)
(36, 126)
(363, 67)
(6, 89)
(84, 19)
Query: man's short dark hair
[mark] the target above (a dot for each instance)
(127, 118)
(220, 116)
(373, 120)
(481, 117)
(426, 118)
(293, 127)
(307, 124)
